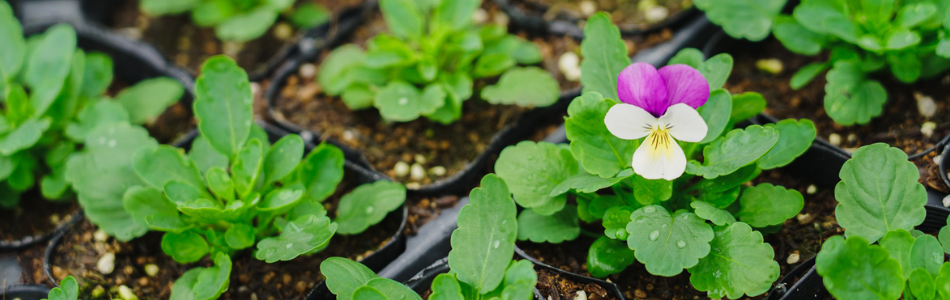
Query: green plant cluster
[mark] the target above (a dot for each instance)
(426, 66)
(708, 222)
(881, 202)
(54, 95)
(240, 20)
(908, 38)
(232, 191)
(480, 260)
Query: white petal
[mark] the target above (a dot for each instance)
(659, 157)
(628, 122)
(684, 123)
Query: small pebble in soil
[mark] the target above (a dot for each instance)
(852, 137)
(811, 190)
(480, 16)
(254, 296)
(283, 31)
(106, 263)
(928, 129)
(100, 236)
(255, 88)
(143, 281)
(588, 8)
(126, 293)
(348, 135)
(793, 258)
(151, 269)
(580, 295)
(417, 172)
(937, 159)
(569, 64)
(926, 105)
(413, 185)
(640, 293)
(656, 14)
(98, 291)
(770, 65)
(54, 218)
(946, 200)
(401, 169)
(232, 49)
(438, 171)
(501, 19)
(804, 218)
(834, 139)
(420, 159)
(308, 70)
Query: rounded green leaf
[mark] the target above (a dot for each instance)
(246, 27)
(219, 182)
(164, 164)
(299, 237)
(850, 97)
(403, 17)
(795, 137)
(666, 243)
(204, 283)
(853, 269)
(605, 56)
(24, 136)
(714, 214)
(446, 287)
(608, 256)
(223, 104)
(13, 51)
(879, 192)
(926, 254)
(556, 228)
(484, 242)
(796, 37)
(942, 282)
(282, 197)
(716, 113)
(765, 205)
(598, 151)
(737, 149)
(898, 244)
(922, 284)
(321, 171)
(367, 205)
(344, 276)
(527, 86)
(147, 99)
(402, 102)
(535, 169)
(749, 19)
(240, 236)
(739, 263)
(185, 247)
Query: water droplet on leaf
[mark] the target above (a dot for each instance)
(681, 244)
(654, 235)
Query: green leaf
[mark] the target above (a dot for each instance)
(185, 247)
(527, 86)
(48, 66)
(944, 237)
(740, 263)
(247, 167)
(445, 286)
(556, 228)
(400, 101)
(212, 13)
(150, 206)
(807, 73)
(598, 151)
(246, 27)
(494, 64)
(17, 104)
(300, 236)
(223, 104)
(102, 113)
(389, 288)
(160, 165)
(850, 97)
(716, 113)
(483, 244)
(796, 37)
(922, 285)
(23, 137)
(68, 290)
(283, 158)
(905, 66)
(649, 191)
(167, 7)
(714, 214)
(219, 182)
(926, 254)
(97, 76)
(389, 51)
(455, 14)
(333, 72)
(344, 276)
(912, 14)
(358, 96)
(766, 205)
(716, 70)
(101, 196)
(666, 244)
(367, 205)
(240, 236)
(746, 105)
(205, 156)
(321, 171)
(369, 293)
(584, 182)
(605, 56)
(53, 185)
(310, 15)
(942, 282)
(204, 283)
(795, 137)
(738, 148)
(281, 198)
(13, 51)
(403, 18)
(878, 193)
(898, 244)
(749, 19)
(147, 99)
(608, 256)
(853, 269)
(534, 170)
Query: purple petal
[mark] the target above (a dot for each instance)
(685, 85)
(639, 84)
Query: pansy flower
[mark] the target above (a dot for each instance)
(661, 106)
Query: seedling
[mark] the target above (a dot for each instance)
(240, 20)
(429, 62)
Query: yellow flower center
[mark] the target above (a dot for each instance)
(659, 142)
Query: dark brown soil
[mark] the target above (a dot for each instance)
(627, 14)
(176, 121)
(802, 236)
(34, 217)
(188, 45)
(250, 277)
(452, 147)
(899, 125)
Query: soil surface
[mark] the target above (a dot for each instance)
(801, 236)
(34, 217)
(188, 46)
(629, 15)
(176, 121)
(899, 125)
(250, 277)
(440, 150)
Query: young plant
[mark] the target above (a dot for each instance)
(911, 39)
(68, 290)
(232, 191)
(52, 94)
(427, 64)
(480, 259)
(881, 201)
(662, 169)
(240, 20)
